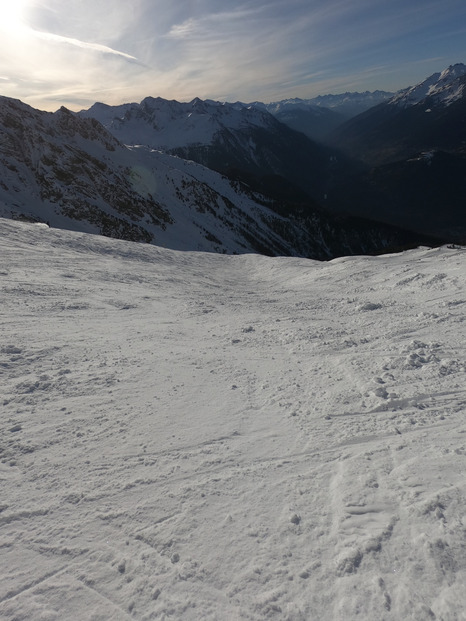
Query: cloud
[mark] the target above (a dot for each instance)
(189, 28)
(96, 47)
(218, 22)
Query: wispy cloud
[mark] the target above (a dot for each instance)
(217, 23)
(95, 47)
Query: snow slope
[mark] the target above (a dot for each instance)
(196, 436)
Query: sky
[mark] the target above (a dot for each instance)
(74, 53)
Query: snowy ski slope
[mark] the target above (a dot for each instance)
(195, 436)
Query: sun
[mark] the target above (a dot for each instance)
(12, 13)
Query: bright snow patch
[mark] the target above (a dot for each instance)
(194, 436)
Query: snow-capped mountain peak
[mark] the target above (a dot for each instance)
(443, 87)
(452, 72)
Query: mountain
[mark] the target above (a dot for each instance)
(430, 115)
(414, 150)
(71, 172)
(62, 169)
(240, 141)
(303, 116)
(424, 193)
(350, 104)
(313, 121)
(344, 104)
(441, 88)
(319, 116)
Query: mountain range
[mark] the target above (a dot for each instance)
(224, 137)
(71, 172)
(318, 116)
(236, 177)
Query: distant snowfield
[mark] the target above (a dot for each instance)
(203, 437)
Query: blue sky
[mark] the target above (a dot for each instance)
(76, 52)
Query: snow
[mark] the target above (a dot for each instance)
(195, 436)
(445, 88)
(178, 185)
(70, 173)
(166, 125)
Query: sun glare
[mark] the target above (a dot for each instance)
(12, 13)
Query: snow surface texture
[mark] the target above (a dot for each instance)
(195, 436)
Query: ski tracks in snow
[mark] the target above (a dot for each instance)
(195, 436)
